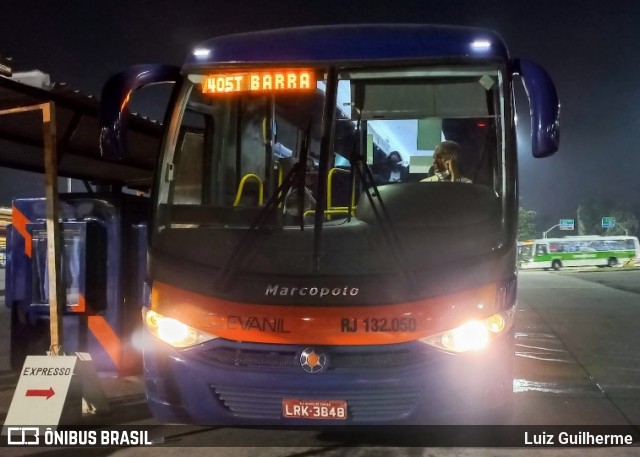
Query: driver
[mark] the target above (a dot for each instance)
(445, 164)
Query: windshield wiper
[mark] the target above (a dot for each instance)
(365, 175)
(302, 176)
(296, 176)
(257, 224)
(389, 234)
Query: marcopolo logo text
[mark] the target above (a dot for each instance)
(283, 291)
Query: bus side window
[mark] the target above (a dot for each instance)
(187, 187)
(541, 249)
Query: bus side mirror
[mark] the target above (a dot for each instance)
(544, 107)
(114, 101)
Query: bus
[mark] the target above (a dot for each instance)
(288, 284)
(579, 251)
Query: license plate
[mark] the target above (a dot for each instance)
(314, 409)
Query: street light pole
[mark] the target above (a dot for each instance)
(626, 232)
(544, 234)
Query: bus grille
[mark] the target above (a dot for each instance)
(338, 361)
(250, 358)
(363, 405)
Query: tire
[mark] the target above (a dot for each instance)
(613, 262)
(556, 265)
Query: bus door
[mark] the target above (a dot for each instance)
(103, 269)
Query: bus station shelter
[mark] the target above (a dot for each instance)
(54, 129)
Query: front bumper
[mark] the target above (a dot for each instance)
(223, 382)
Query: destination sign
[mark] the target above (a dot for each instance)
(284, 80)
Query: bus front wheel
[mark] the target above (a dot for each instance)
(612, 262)
(556, 265)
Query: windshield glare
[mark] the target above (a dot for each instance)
(230, 154)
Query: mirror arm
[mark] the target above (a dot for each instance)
(115, 97)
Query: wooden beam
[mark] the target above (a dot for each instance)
(57, 290)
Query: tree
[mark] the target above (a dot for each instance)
(589, 222)
(623, 220)
(526, 224)
(590, 216)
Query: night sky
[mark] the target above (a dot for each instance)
(590, 48)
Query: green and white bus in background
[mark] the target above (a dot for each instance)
(579, 251)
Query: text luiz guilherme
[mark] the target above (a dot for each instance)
(576, 439)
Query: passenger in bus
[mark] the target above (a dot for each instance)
(445, 164)
(392, 169)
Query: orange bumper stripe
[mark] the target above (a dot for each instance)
(331, 325)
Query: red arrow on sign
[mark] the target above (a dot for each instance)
(41, 393)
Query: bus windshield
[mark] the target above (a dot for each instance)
(247, 140)
(525, 251)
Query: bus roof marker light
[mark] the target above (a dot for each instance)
(481, 45)
(201, 52)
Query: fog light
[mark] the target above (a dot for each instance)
(496, 323)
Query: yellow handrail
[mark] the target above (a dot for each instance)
(241, 187)
(328, 212)
(340, 209)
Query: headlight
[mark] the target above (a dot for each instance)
(473, 335)
(172, 331)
